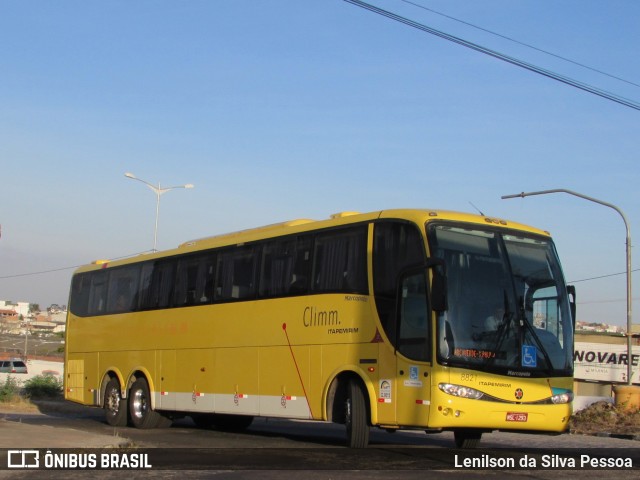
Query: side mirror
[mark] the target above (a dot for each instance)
(438, 285)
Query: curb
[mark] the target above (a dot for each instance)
(622, 436)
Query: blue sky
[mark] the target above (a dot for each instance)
(288, 109)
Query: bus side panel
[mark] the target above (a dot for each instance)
(316, 383)
(166, 379)
(284, 381)
(192, 382)
(81, 375)
(236, 380)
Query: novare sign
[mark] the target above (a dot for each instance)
(605, 363)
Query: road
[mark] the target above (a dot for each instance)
(271, 446)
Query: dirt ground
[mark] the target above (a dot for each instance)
(605, 417)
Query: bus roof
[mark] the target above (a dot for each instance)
(419, 216)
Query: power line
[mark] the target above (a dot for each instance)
(546, 52)
(602, 276)
(500, 56)
(612, 300)
(17, 275)
(53, 270)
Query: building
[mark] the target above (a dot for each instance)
(21, 308)
(9, 321)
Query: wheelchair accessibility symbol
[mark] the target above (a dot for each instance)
(529, 356)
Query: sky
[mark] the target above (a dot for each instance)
(286, 109)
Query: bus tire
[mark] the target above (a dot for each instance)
(115, 407)
(467, 439)
(164, 421)
(142, 416)
(355, 416)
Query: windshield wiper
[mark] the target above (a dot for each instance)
(503, 329)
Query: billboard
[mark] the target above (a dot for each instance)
(605, 363)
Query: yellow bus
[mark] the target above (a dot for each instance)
(397, 319)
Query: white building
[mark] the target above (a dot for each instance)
(21, 308)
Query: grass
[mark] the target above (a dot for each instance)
(9, 390)
(31, 394)
(43, 387)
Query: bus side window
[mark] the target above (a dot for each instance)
(123, 286)
(301, 274)
(340, 261)
(98, 293)
(285, 267)
(166, 283)
(235, 277)
(80, 291)
(193, 277)
(206, 279)
(159, 292)
(144, 290)
(277, 266)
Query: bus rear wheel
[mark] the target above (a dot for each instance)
(355, 417)
(467, 439)
(115, 407)
(142, 416)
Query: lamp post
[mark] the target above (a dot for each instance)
(626, 224)
(158, 191)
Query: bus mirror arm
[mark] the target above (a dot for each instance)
(571, 291)
(438, 284)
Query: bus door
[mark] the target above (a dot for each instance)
(413, 350)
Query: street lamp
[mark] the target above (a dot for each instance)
(158, 191)
(626, 224)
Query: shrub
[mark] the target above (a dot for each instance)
(9, 390)
(43, 386)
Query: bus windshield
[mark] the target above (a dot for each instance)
(508, 308)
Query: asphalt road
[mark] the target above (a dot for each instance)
(276, 433)
(270, 447)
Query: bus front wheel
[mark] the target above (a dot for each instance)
(115, 407)
(142, 416)
(355, 417)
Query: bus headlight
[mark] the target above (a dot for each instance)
(461, 391)
(566, 397)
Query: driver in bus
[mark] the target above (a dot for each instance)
(489, 325)
(493, 322)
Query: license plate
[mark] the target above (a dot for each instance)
(517, 417)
